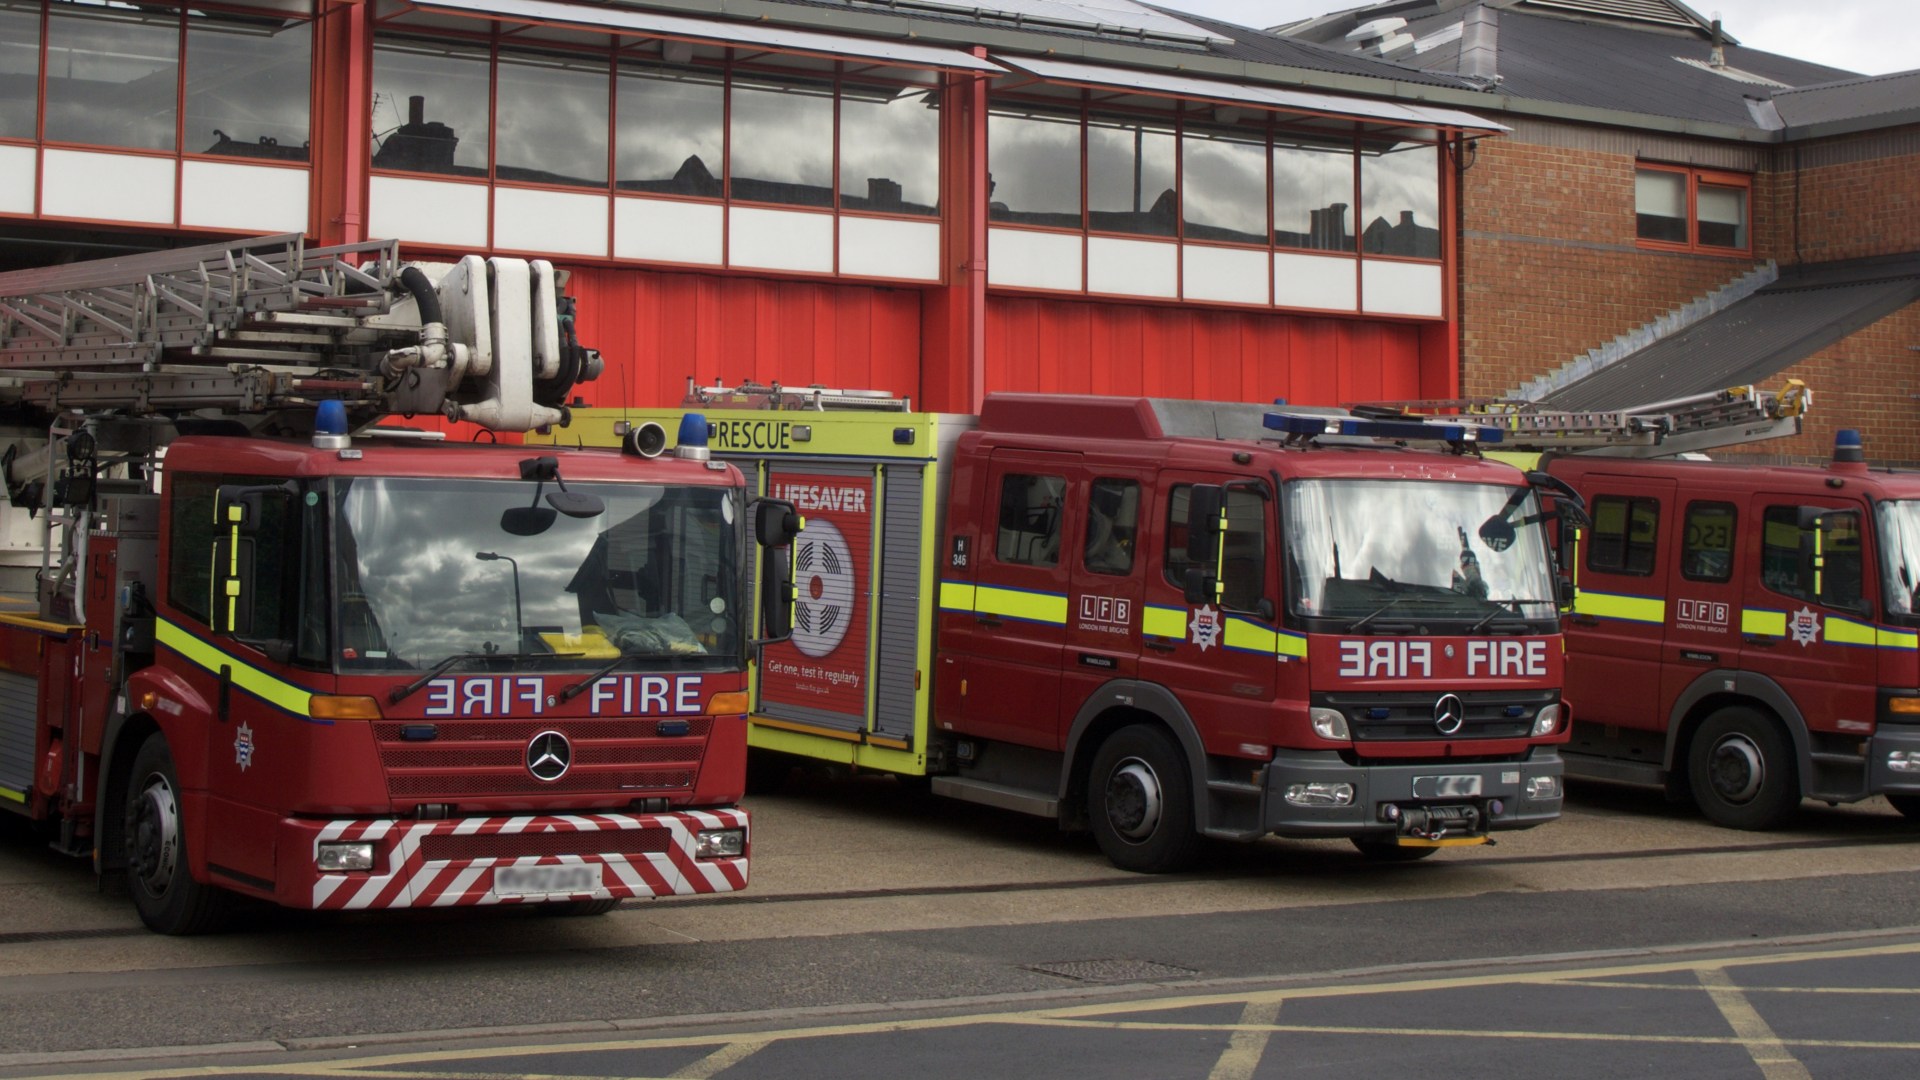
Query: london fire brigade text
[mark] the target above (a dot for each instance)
(1414, 659)
(620, 695)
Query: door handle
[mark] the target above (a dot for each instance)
(988, 621)
(1161, 644)
(1764, 642)
(1585, 620)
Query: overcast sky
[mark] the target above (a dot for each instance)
(1869, 36)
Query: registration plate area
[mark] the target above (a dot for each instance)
(552, 880)
(1466, 786)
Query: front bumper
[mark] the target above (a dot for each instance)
(1882, 779)
(1377, 785)
(457, 862)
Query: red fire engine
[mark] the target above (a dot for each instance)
(1161, 620)
(261, 648)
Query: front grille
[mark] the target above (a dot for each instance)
(446, 848)
(1408, 717)
(469, 759)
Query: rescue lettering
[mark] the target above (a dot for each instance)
(846, 500)
(750, 434)
(614, 695)
(1500, 659)
(1386, 659)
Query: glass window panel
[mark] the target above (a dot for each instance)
(782, 141)
(248, 85)
(1130, 177)
(1706, 552)
(1624, 536)
(889, 148)
(1243, 570)
(19, 68)
(430, 107)
(552, 119)
(1660, 205)
(1224, 177)
(1030, 520)
(1113, 525)
(112, 76)
(1723, 216)
(1033, 165)
(672, 129)
(1400, 200)
(1313, 195)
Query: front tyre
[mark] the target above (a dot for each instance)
(1742, 770)
(1140, 801)
(164, 892)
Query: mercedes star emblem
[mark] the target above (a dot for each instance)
(1449, 714)
(548, 756)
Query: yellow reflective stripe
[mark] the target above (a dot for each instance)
(1019, 604)
(1294, 645)
(1896, 639)
(12, 795)
(1164, 622)
(956, 596)
(1647, 609)
(251, 679)
(1250, 636)
(1760, 621)
(1847, 632)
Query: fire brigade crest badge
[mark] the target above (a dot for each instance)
(243, 747)
(1205, 626)
(1805, 625)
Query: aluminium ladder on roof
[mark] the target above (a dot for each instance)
(1691, 424)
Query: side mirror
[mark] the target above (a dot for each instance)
(776, 523)
(776, 595)
(1200, 586)
(237, 515)
(1206, 506)
(1497, 533)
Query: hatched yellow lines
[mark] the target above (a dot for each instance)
(1258, 1023)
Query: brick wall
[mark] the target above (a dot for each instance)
(1849, 197)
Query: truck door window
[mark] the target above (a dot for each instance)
(1706, 553)
(1030, 519)
(280, 579)
(1790, 534)
(1243, 578)
(1113, 520)
(1624, 535)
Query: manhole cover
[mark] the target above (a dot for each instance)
(1106, 971)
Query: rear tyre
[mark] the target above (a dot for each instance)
(164, 892)
(1908, 805)
(767, 771)
(1742, 771)
(581, 908)
(1386, 851)
(1140, 801)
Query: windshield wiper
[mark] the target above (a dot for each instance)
(1371, 615)
(580, 687)
(1499, 609)
(401, 694)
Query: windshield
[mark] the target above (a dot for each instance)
(424, 571)
(1395, 550)
(1899, 523)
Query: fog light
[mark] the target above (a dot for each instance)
(357, 856)
(720, 843)
(1320, 794)
(1543, 787)
(1904, 761)
(1547, 721)
(1328, 723)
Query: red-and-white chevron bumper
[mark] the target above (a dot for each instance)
(524, 859)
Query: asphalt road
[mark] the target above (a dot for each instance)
(887, 934)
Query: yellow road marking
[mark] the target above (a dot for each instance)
(720, 1060)
(1249, 1041)
(1762, 1044)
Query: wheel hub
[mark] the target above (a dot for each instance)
(1133, 800)
(154, 847)
(1737, 769)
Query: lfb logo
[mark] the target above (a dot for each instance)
(1704, 612)
(1114, 611)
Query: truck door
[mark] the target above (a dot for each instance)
(1103, 622)
(1014, 639)
(1219, 659)
(1704, 587)
(1808, 620)
(1615, 636)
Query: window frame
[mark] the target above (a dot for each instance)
(1628, 546)
(1695, 177)
(1687, 550)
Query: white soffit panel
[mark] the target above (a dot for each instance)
(254, 198)
(654, 24)
(1321, 282)
(668, 230)
(1180, 86)
(549, 222)
(1021, 259)
(890, 248)
(1397, 288)
(1227, 275)
(428, 211)
(1132, 267)
(16, 179)
(780, 240)
(106, 187)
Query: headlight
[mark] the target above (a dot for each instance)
(1903, 761)
(720, 843)
(357, 856)
(1320, 794)
(1547, 721)
(1328, 723)
(1543, 787)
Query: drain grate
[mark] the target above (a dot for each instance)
(1113, 971)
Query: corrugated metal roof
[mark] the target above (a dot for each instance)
(1875, 96)
(1262, 47)
(1754, 340)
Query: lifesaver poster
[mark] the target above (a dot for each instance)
(824, 666)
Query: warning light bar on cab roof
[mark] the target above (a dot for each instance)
(1310, 424)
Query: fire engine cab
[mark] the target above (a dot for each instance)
(1160, 620)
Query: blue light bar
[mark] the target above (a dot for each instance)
(330, 418)
(1315, 424)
